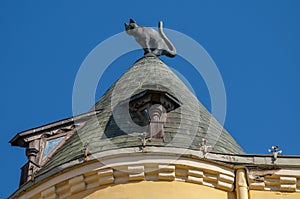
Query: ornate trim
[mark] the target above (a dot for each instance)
(164, 164)
(274, 179)
(119, 170)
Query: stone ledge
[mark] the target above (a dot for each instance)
(287, 180)
(152, 168)
(186, 166)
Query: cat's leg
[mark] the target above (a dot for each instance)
(157, 52)
(146, 51)
(148, 47)
(158, 48)
(149, 53)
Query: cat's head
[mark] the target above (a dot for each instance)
(130, 27)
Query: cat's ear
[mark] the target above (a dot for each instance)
(131, 21)
(126, 26)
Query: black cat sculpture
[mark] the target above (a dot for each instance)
(154, 43)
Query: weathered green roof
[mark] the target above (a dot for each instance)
(111, 129)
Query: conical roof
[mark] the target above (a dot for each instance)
(112, 128)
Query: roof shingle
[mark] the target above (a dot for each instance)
(112, 129)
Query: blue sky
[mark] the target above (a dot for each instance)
(255, 45)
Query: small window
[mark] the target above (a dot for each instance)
(50, 145)
(146, 116)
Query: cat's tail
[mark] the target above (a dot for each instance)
(171, 52)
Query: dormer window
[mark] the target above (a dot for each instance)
(41, 143)
(145, 115)
(151, 108)
(50, 146)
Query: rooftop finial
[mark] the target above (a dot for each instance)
(144, 138)
(275, 151)
(154, 43)
(204, 147)
(85, 151)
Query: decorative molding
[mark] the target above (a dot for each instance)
(120, 166)
(77, 184)
(105, 176)
(49, 193)
(287, 180)
(136, 172)
(152, 168)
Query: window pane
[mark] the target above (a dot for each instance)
(50, 145)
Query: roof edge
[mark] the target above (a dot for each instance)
(228, 160)
(15, 141)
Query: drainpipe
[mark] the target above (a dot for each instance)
(241, 184)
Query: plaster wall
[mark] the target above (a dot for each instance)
(150, 190)
(273, 195)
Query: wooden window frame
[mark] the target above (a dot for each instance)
(44, 140)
